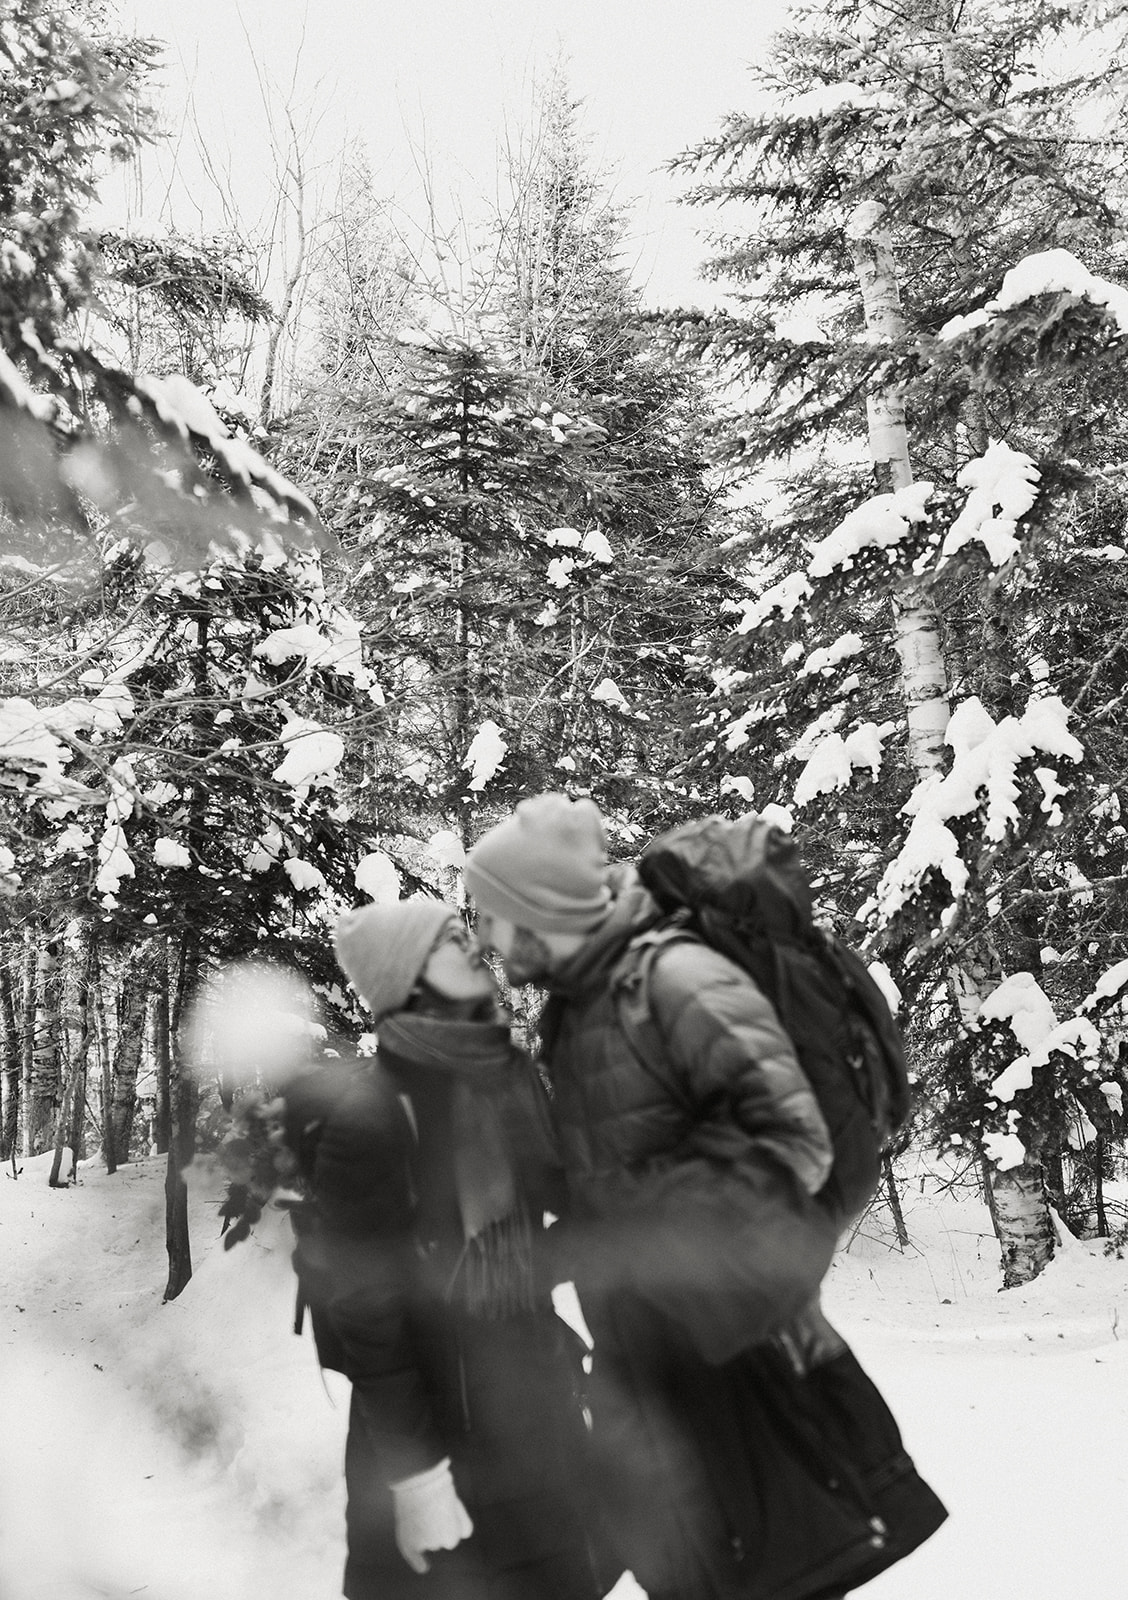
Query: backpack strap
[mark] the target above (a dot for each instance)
(630, 990)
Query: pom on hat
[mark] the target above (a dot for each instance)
(382, 949)
(543, 868)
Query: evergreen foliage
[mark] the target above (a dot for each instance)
(84, 444)
(951, 138)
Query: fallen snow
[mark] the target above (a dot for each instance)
(834, 760)
(195, 1449)
(338, 650)
(446, 849)
(832, 99)
(313, 753)
(608, 693)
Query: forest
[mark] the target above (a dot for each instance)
(304, 583)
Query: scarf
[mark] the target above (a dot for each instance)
(499, 1113)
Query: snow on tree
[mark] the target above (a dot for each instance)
(923, 255)
(83, 440)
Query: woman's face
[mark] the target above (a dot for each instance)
(455, 969)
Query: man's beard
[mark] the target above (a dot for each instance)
(529, 959)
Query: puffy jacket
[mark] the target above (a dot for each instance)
(694, 1192)
(743, 1453)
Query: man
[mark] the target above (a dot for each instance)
(745, 1455)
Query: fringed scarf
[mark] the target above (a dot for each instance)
(496, 1099)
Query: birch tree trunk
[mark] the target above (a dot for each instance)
(1022, 1221)
(924, 680)
(75, 1031)
(42, 1105)
(12, 1064)
(26, 1025)
(1020, 1210)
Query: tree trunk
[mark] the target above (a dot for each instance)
(1100, 1211)
(26, 1026)
(162, 1055)
(75, 1031)
(892, 1194)
(183, 1102)
(104, 1058)
(11, 1057)
(42, 1106)
(1019, 1209)
(1022, 1222)
(924, 679)
(133, 1000)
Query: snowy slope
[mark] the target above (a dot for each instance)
(194, 1448)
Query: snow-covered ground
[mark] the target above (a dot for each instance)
(194, 1449)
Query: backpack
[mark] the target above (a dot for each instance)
(740, 887)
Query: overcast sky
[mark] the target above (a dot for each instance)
(443, 81)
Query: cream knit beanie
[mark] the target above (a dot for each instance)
(544, 867)
(383, 949)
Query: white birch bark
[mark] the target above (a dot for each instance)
(1019, 1207)
(916, 627)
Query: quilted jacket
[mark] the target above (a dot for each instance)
(743, 1453)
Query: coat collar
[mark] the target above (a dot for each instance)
(633, 909)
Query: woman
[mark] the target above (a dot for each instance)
(433, 1169)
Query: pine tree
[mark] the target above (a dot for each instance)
(623, 635)
(85, 445)
(907, 166)
(450, 563)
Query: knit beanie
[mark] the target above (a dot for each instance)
(383, 949)
(544, 867)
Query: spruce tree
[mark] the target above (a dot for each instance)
(906, 167)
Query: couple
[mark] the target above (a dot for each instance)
(736, 1450)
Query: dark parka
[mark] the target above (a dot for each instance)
(379, 1261)
(743, 1452)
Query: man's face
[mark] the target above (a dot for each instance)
(524, 954)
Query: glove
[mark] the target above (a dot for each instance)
(429, 1515)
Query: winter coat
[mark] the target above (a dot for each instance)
(381, 1260)
(743, 1453)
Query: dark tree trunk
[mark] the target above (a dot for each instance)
(892, 1194)
(162, 1054)
(105, 1066)
(11, 1057)
(184, 1102)
(1099, 1156)
(133, 1002)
